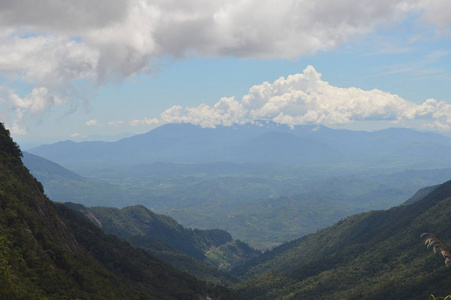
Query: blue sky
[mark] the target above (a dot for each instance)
(86, 71)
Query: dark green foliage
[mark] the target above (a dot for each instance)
(375, 255)
(135, 265)
(138, 220)
(163, 236)
(7, 145)
(47, 256)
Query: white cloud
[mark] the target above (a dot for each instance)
(145, 121)
(74, 135)
(306, 99)
(226, 112)
(37, 101)
(92, 123)
(53, 44)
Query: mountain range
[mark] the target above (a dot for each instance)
(262, 142)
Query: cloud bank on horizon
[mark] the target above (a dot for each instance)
(306, 99)
(53, 46)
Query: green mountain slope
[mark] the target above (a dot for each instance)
(164, 237)
(374, 255)
(52, 252)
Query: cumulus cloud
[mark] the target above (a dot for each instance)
(306, 99)
(34, 103)
(54, 44)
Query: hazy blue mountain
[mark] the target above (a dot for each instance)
(46, 170)
(263, 142)
(62, 185)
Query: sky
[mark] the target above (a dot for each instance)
(102, 69)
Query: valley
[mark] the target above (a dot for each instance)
(256, 231)
(238, 178)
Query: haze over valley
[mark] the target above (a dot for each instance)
(264, 183)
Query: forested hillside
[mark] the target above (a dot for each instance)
(373, 255)
(202, 253)
(52, 252)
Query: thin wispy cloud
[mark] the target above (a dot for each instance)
(115, 123)
(92, 123)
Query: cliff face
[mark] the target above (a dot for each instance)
(49, 251)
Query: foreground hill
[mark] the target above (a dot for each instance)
(162, 236)
(48, 251)
(374, 255)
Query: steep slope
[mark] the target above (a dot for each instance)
(44, 255)
(374, 255)
(161, 234)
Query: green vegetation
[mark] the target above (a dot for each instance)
(227, 255)
(437, 246)
(164, 237)
(48, 251)
(373, 255)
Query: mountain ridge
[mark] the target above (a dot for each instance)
(132, 222)
(187, 143)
